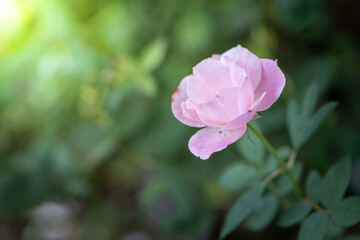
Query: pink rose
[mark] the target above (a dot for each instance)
(223, 94)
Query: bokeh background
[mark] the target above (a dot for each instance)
(89, 148)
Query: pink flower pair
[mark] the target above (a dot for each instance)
(222, 95)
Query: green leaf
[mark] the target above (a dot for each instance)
(264, 212)
(283, 183)
(294, 214)
(308, 106)
(352, 237)
(292, 117)
(312, 184)
(241, 209)
(239, 176)
(309, 101)
(33, 191)
(334, 232)
(153, 55)
(314, 227)
(146, 83)
(252, 149)
(315, 120)
(347, 213)
(335, 182)
(299, 14)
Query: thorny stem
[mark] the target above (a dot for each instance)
(278, 159)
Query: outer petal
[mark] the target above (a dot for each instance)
(247, 60)
(209, 140)
(177, 98)
(189, 113)
(244, 118)
(216, 56)
(272, 82)
(209, 76)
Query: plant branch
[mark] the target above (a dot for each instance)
(278, 159)
(272, 188)
(315, 206)
(289, 165)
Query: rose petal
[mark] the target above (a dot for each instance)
(247, 60)
(227, 105)
(246, 97)
(246, 117)
(236, 100)
(209, 76)
(238, 74)
(189, 113)
(272, 82)
(191, 106)
(209, 140)
(216, 56)
(178, 97)
(214, 112)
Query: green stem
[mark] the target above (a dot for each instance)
(272, 188)
(278, 159)
(315, 206)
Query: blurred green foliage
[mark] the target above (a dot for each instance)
(85, 117)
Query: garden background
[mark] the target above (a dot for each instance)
(89, 148)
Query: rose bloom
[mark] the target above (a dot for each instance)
(222, 95)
